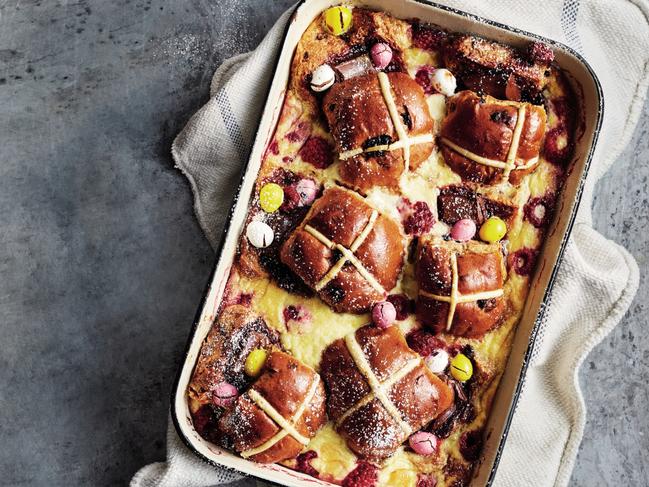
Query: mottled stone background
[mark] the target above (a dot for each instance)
(102, 264)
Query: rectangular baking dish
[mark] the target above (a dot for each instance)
(586, 85)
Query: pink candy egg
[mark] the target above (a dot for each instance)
(224, 394)
(423, 443)
(463, 230)
(384, 314)
(381, 55)
(307, 191)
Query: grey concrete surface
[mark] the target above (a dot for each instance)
(102, 264)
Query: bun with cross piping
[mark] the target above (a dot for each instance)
(346, 251)
(486, 140)
(382, 128)
(461, 286)
(277, 417)
(380, 391)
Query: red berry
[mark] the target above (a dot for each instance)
(402, 304)
(471, 445)
(364, 475)
(538, 211)
(523, 261)
(421, 219)
(422, 77)
(424, 480)
(423, 342)
(551, 150)
(317, 151)
(304, 463)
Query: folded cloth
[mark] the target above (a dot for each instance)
(597, 278)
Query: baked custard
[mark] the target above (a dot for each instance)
(400, 208)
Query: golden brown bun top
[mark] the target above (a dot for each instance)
(480, 268)
(295, 392)
(357, 112)
(341, 216)
(485, 126)
(369, 427)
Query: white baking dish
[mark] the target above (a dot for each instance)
(497, 426)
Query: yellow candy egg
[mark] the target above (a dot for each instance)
(461, 367)
(271, 197)
(255, 362)
(493, 230)
(338, 20)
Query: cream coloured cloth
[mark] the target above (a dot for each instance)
(597, 279)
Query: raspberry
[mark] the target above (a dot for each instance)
(364, 475)
(205, 423)
(471, 445)
(424, 480)
(300, 133)
(291, 199)
(421, 219)
(304, 463)
(423, 342)
(523, 261)
(538, 211)
(273, 148)
(317, 151)
(427, 37)
(295, 313)
(540, 53)
(422, 77)
(402, 304)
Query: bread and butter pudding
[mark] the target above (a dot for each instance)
(400, 208)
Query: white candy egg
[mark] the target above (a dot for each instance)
(322, 78)
(443, 81)
(259, 234)
(437, 361)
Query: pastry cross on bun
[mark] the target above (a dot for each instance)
(349, 253)
(277, 417)
(460, 286)
(380, 391)
(382, 127)
(486, 140)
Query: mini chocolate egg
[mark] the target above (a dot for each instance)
(306, 190)
(255, 362)
(271, 197)
(423, 443)
(381, 55)
(493, 229)
(461, 367)
(322, 78)
(259, 234)
(338, 20)
(437, 361)
(463, 230)
(443, 81)
(383, 314)
(224, 394)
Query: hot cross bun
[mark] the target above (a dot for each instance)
(382, 127)
(349, 253)
(460, 286)
(486, 140)
(380, 391)
(280, 413)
